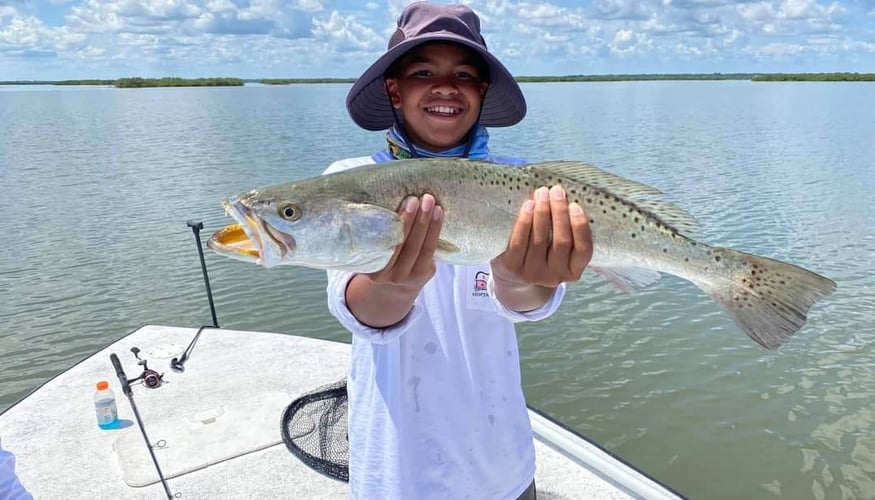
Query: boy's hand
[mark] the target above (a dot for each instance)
(551, 243)
(412, 264)
(384, 298)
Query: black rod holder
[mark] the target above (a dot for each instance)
(196, 229)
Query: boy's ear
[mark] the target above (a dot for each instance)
(392, 91)
(484, 86)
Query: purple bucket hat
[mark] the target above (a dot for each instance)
(367, 101)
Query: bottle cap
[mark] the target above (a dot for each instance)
(102, 385)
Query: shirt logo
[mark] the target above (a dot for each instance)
(480, 280)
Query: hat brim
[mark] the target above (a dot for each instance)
(370, 108)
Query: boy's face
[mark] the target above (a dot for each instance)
(438, 92)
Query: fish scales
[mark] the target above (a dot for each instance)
(348, 220)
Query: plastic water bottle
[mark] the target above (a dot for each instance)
(104, 405)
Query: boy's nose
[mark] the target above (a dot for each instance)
(445, 86)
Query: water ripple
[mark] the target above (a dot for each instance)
(104, 181)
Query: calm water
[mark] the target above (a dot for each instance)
(96, 185)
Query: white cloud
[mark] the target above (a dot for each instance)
(345, 33)
(627, 43)
(304, 38)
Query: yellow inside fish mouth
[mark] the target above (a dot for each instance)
(251, 238)
(232, 239)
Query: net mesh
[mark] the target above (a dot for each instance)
(314, 430)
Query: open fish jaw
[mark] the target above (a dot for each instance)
(270, 244)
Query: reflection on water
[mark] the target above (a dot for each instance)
(98, 183)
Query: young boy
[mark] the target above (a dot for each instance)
(436, 408)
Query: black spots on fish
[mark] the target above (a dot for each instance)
(592, 221)
(665, 250)
(633, 235)
(716, 258)
(686, 259)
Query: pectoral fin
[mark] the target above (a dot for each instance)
(628, 279)
(445, 247)
(372, 225)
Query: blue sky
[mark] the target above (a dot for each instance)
(58, 39)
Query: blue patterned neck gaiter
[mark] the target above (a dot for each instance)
(477, 146)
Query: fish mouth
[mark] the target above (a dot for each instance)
(251, 239)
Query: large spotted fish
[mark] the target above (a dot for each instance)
(348, 221)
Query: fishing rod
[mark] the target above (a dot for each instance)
(178, 364)
(126, 388)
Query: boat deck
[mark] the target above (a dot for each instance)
(216, 426)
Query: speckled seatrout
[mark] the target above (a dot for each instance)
(348, 221)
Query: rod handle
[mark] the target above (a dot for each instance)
(120, 372)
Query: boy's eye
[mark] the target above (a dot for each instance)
(464, 75)
(422, 73)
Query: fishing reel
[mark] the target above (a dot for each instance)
(151, 379)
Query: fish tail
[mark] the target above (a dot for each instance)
(767, 298)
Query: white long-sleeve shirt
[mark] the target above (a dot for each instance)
(436, 407)
(10, 486)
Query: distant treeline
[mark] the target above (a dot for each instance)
(137, 82)
(835, 77)
(84, 82)
(756, 77)
(637, 77)
(289, 81)
(815, 77)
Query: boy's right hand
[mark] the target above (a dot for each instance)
(412, 264)
(384, 298)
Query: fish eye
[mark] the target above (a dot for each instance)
(290, 211)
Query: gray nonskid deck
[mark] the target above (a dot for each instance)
(62, 454)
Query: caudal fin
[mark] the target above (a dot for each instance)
(768, 299)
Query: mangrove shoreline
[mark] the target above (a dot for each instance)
(137, 82)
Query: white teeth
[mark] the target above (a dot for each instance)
(442, 109)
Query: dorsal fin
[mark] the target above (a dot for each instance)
(641, 195)
(594, 176)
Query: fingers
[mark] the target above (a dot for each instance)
(422, 223)
(563, 240)
(515, 255)
(408, 211)
(539, 241)
(559, 245)
(582, 236)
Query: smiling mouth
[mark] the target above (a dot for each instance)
(444, 110)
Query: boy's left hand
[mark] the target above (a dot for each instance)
(551, 243)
